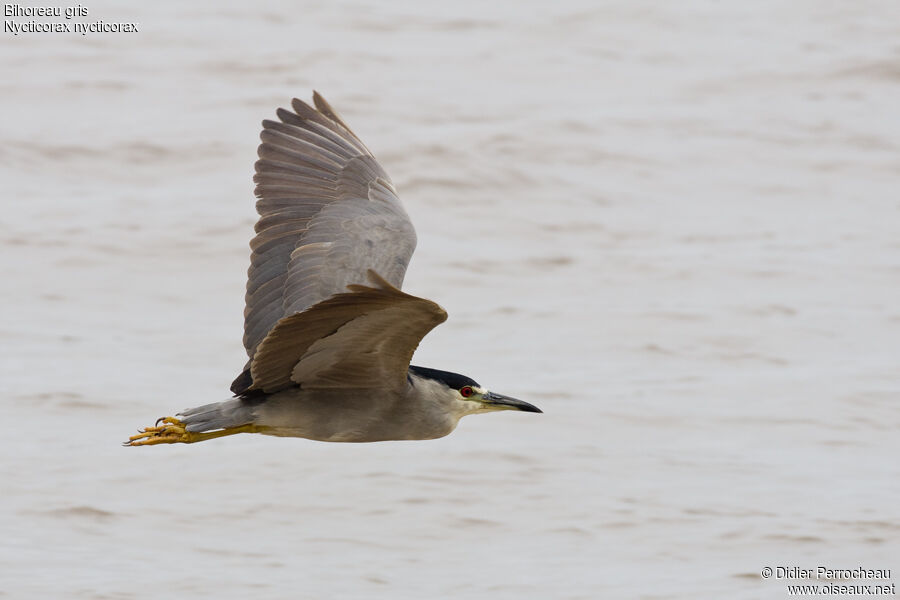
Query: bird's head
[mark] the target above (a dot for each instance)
(464, 393)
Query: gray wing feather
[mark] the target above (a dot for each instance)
(350, 340)
(328, 214)
(343, 242)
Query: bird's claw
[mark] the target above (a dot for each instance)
(171, 432)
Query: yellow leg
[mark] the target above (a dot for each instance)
(172, 431)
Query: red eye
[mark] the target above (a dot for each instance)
(466, 391)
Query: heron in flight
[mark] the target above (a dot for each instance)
(329, 333)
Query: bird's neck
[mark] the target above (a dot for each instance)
(434, 411)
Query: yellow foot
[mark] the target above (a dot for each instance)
(172, 431)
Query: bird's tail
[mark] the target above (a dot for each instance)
(218, 415)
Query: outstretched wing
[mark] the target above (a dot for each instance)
(359, 339)
(328, 214)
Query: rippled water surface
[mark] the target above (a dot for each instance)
(673, 226)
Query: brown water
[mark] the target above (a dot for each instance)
(674, 227)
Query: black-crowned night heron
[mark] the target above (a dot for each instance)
(327, 329)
